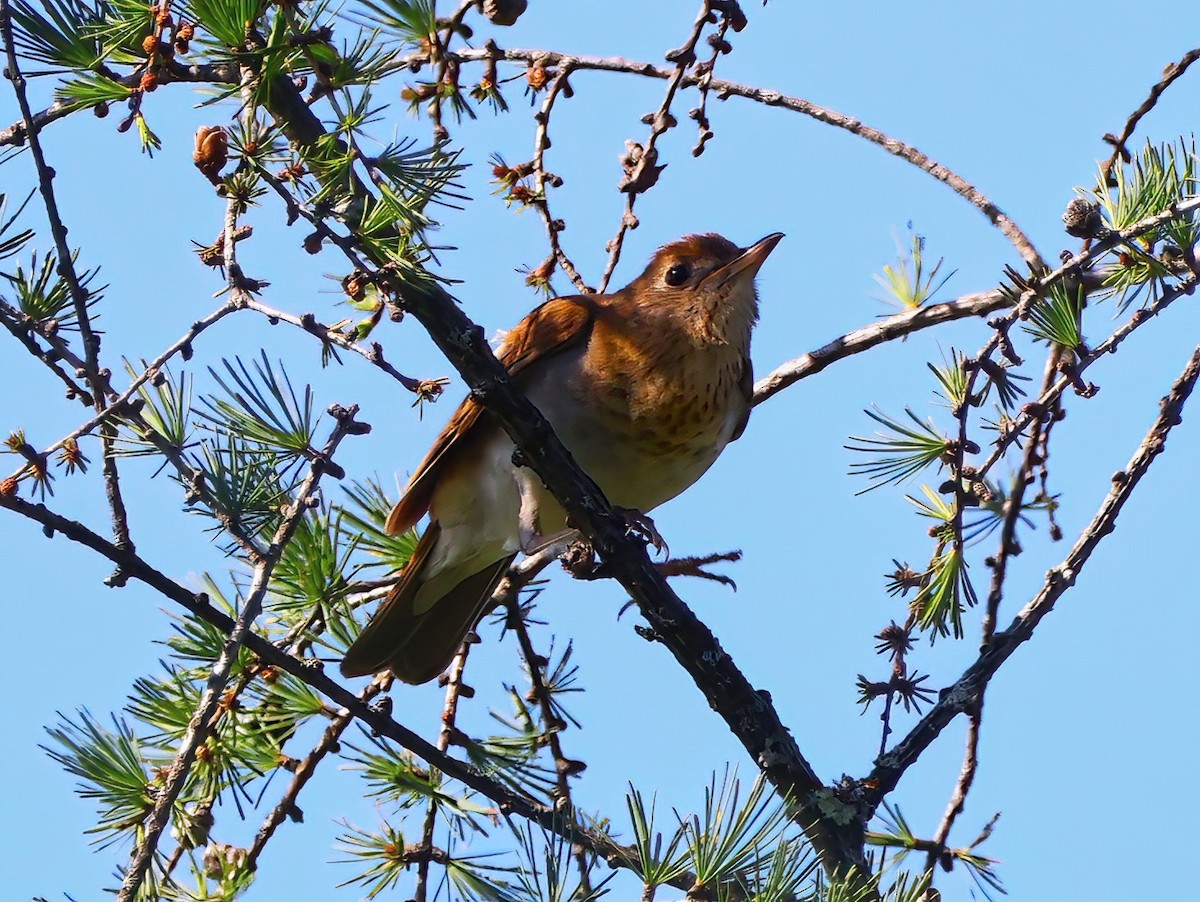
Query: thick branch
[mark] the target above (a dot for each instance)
(748, 713)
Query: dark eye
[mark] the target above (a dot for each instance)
(677, 274)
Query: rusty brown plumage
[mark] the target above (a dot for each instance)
(645, 387)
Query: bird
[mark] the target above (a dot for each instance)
(644, 386)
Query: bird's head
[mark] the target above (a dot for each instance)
(706, 279)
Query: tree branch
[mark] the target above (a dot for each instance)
(207, 711)
(867, 337)
(1170, 74)
(1020, 241)
(96, 378)
(311, 672)
(748, 712)
(967, 691)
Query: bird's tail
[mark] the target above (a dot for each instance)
(419, 645)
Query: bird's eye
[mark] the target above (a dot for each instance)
(677, 274)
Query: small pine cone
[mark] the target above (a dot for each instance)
(1082, 218)
(503, 12)
(8, 487)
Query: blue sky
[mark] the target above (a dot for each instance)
(1089, 732)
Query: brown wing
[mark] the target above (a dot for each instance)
(746, 385)
(555, 325)
(418, 647)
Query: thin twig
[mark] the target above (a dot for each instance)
(552, 727)
(963, 488)
(428, 389)
(1186, 286)
(1120, 151)
(456, 689)
(21, 328)
(303, 773)
(967, 690)
(119, 405)
(876, 333)
(969, 305)
(217, 73)
(96, 378)
(770, 97)
(295, 207)
(441, 53)
(542, 179)
(642, 172)
(966, 777)
(1008, 546)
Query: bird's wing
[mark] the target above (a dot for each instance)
(746, 386)
(554, 326)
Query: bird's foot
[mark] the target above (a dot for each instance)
(641, 526)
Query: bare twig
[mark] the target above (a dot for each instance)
(876, 333)
(543, 179)
(704, 74)
(302, 774)
(1120, 151)
(642, 169)
(966, 777)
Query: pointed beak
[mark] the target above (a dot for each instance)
(746, 263)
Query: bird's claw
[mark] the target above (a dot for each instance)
(641, 526)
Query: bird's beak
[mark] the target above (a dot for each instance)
(747, 262)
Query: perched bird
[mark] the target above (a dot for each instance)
(645, 387)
